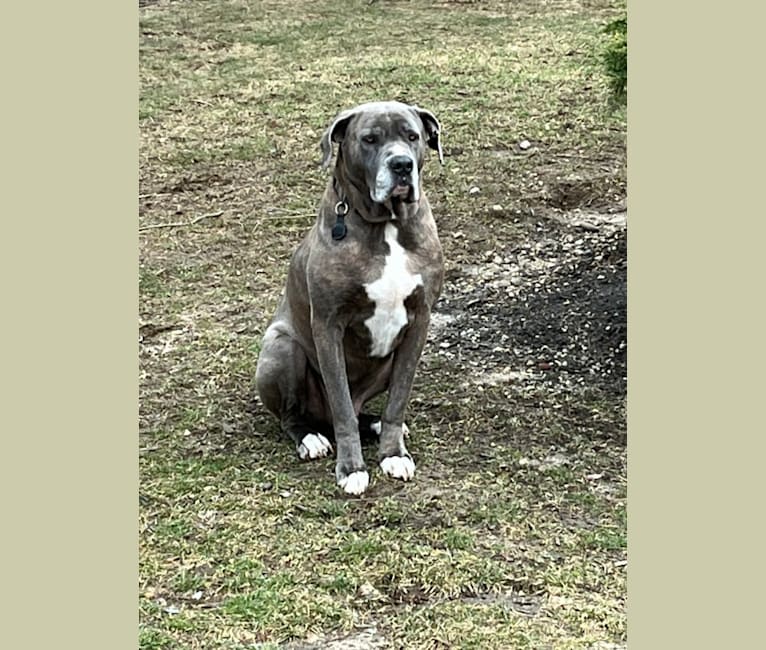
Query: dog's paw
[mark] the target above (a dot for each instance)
(401, 467)
(314, 445)
(355, 483)
(376, 428)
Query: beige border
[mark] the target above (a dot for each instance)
(695, 350)
(68, 255)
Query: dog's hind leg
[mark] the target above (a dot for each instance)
(370, 426)
(283, 379)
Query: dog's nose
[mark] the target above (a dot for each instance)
(400, 164)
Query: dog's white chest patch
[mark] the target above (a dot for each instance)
(389, 293)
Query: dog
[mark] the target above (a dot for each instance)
(354, 316)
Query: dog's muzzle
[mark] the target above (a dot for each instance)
(401, 169)
(397, 178)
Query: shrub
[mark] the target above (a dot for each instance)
(616, 57)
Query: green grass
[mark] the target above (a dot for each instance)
(243, 546)
(150, 284)
(151, 639)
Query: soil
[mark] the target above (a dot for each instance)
(553, 307)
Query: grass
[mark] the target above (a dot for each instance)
(242, 546)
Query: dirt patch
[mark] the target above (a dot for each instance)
(579, 191)
(520, 603)
(368, 639)
(551, 307)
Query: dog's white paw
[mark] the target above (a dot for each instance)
(314, 445)
(355, 483)
(400, 467)
(376, 428)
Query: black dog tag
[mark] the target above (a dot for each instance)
(339, 229)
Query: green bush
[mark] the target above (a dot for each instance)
(616, 57)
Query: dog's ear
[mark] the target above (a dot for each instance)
(334, 133)
(433, 130)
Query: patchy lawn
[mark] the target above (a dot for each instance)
(513, 533)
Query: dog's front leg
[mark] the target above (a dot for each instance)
(395, 460)
(350, 470)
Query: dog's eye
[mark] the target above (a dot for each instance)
(369, 139)
(413, 137)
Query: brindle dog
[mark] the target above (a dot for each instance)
(354, 316)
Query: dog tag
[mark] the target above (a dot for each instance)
(339, 229)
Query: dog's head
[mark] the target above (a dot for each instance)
(382, 148)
